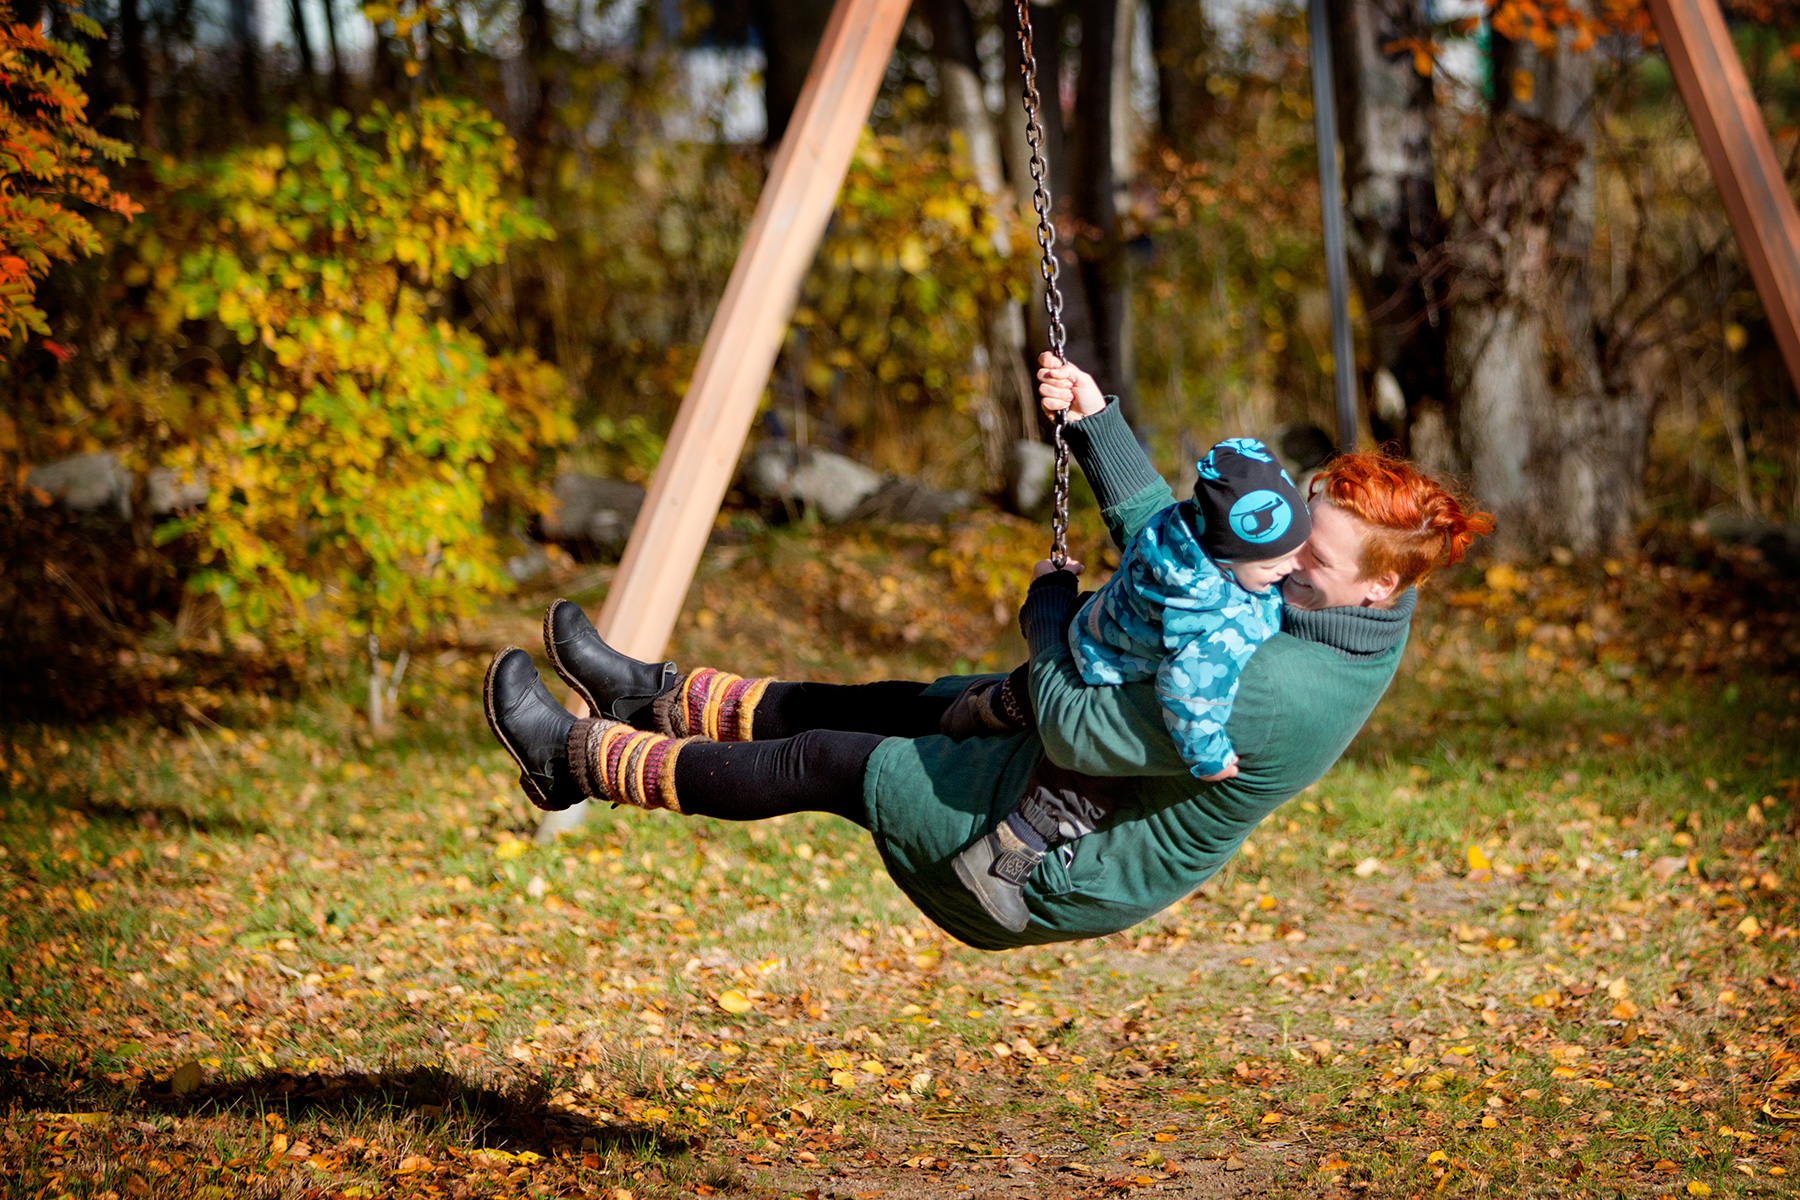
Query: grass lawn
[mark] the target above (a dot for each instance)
(1535, 935)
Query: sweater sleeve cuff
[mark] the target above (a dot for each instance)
(1044, 617)
(1115, 465)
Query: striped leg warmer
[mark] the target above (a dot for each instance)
(711, 704)
(612, 761)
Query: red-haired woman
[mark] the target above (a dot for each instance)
(707, 743)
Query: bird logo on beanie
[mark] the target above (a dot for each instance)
(1262, 516)
(1245, 507)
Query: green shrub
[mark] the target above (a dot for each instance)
(353, 445)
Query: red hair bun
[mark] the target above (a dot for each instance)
(1416, 524)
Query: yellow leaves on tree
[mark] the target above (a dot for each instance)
(48, 155)
(912, 260)
(361, 434)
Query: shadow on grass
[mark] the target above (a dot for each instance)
(151, 815)
(512, 1119)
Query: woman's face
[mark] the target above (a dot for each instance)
(1329, 571)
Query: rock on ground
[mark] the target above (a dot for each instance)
(99, 485)
(779, 474)
(592, 513)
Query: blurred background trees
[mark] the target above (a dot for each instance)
(399, 263)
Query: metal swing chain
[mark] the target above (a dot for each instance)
(1049, 268)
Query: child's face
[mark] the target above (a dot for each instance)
(1262, 575)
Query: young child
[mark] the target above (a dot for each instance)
(1193, 598)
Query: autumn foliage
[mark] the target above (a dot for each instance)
(49, 156)
(353, 449)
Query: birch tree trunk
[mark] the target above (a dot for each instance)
(1395, 231)
(1554, 446)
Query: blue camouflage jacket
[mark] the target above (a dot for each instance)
(1171, 614)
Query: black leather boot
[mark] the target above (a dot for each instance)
(533, 727)
(613, 684)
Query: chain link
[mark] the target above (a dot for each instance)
(1049, 268)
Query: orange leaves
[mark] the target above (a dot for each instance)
(1424, 52)
(47, 153)
(1543, 22)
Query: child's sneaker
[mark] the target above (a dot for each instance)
(995, 869)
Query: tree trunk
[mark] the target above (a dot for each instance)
(1182, 40)
(1395, 231)
(1005, 412)
(959, 72)
(385, 68)
(243, 32)
(1554, 446)
(309, 76)
(792, 30)
(137, 70)
(1097, 320)
(1046, 41)
(337, 59)
(540, 46)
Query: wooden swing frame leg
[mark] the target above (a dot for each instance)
(1738, 149)
(745, 335)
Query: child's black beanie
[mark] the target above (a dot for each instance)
(1247, 508)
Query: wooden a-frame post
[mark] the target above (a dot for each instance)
(746, 333)
(1745, 170)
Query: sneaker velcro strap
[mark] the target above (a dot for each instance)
(1014, 866)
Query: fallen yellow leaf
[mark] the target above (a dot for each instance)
(734, 1002)
(1696, 1188)
(1477, 860)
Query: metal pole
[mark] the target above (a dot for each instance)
(1343, 353)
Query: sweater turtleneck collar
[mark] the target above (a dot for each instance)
(1353, 632)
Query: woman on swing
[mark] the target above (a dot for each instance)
(1068, 800)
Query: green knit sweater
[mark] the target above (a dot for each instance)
(1301, 700)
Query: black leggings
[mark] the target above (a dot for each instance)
(812, 748)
